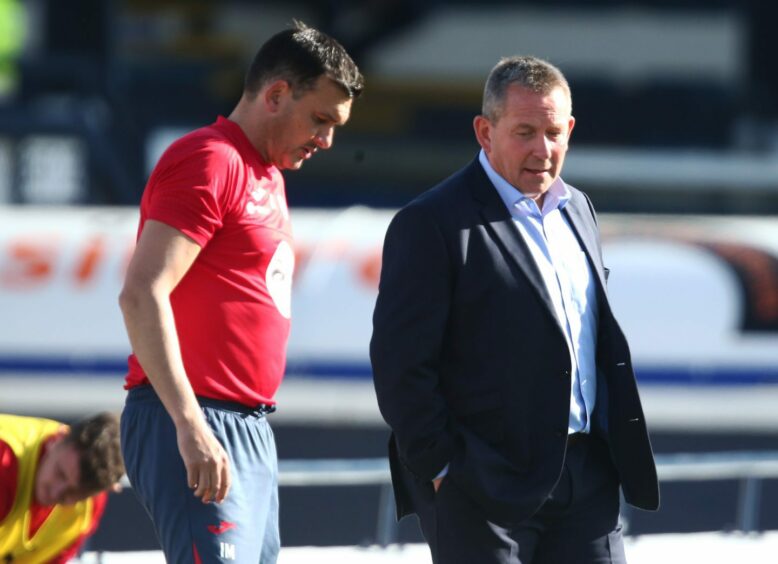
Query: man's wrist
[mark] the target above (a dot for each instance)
(188, 419)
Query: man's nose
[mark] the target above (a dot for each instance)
(543, 146)
(323, 138)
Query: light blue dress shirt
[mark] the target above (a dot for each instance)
(569, 279)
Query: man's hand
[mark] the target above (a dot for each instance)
(206, 462)
(436, 483)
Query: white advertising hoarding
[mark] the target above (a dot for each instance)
(696, 296)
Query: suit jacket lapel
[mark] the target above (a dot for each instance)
(498, 220)
(581, 220)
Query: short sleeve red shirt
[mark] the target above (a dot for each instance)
(233, 307)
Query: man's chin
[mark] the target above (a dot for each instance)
(535, 188)
(292, 165)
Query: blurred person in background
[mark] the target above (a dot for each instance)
(497, 361)
(206, 303)
(53, 484)
(13, 27)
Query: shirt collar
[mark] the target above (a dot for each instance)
(517, 203)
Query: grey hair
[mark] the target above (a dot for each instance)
(532, 73)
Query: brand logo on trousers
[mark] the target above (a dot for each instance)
(223, 527)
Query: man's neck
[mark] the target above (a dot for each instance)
(252, 127)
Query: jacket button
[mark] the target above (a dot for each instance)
(565, 374)
(560, 433)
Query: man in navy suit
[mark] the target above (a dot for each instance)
(498, 364)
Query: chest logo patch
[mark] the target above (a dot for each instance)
(262, 202)
(278, 278)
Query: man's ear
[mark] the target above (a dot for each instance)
(483, 132)
(274, 94)
(570, 125)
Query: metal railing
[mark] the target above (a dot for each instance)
(750, 468)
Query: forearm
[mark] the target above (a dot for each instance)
(151, 329)
(162, 257)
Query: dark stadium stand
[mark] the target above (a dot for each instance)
(110, 74)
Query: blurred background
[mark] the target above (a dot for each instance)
(676, 142)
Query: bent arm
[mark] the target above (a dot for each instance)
(162, 257)
(409, 324)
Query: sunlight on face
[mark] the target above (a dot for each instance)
(306, 123)
(528, 142)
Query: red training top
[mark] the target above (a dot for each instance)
(233, 307)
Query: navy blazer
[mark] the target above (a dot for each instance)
(471, 366)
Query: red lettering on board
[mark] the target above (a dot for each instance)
(28, 264)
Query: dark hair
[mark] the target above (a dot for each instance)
(532, 73)
(97, 441)
(301, 55)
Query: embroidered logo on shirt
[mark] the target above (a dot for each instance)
(262, 202)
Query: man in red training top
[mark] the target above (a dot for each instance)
(206, 303)
(53, 482)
